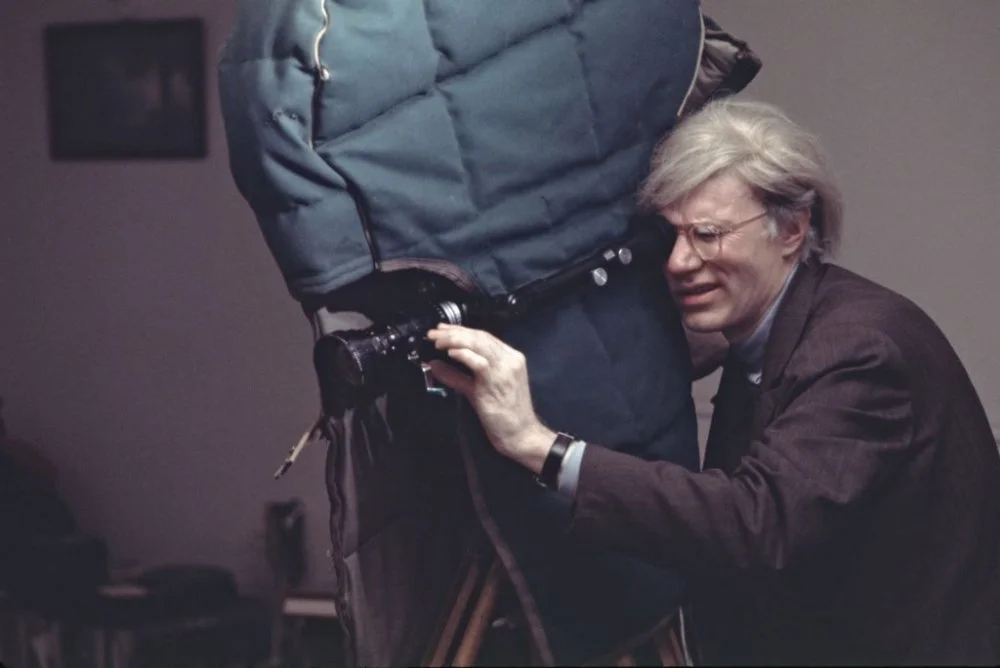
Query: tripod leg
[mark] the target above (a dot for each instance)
(668, 645)
(447, 635)
(473, 638)
(535, 655)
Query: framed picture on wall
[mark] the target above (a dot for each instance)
(128, 89)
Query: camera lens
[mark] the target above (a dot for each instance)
(359, 360)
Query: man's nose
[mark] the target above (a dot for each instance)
(683, 258)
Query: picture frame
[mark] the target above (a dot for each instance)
(126, 90)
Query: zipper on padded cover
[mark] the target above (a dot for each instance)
(322, 72)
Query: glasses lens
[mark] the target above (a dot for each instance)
(707, 245)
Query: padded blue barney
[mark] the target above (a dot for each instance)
(389, 145)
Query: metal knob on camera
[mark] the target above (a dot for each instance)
(600, 275)
(451, 313)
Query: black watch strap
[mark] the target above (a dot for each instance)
(549, 477)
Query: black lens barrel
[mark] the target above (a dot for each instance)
(355, 362)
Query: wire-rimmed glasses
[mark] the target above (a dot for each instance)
(706, 238)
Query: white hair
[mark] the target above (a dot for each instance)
(779, 161)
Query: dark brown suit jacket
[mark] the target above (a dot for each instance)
(856, 518)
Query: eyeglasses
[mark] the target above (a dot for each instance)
(706, 239)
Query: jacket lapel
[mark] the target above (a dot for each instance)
(740, 414)
(790, 322)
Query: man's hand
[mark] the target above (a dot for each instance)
(497, 390)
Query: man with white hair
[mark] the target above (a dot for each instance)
(848, 508)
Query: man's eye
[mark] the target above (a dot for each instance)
(705, 233)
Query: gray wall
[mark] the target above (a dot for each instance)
(147, 342)
(148, 346)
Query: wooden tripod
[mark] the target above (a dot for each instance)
(470, 618)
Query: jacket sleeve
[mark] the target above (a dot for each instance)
(844, 428)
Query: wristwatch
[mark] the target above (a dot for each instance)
(549, 477)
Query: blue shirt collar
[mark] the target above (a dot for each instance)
(751, 351)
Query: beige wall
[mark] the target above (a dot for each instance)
(906, 96)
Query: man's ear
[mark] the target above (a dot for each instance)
(793, 236)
